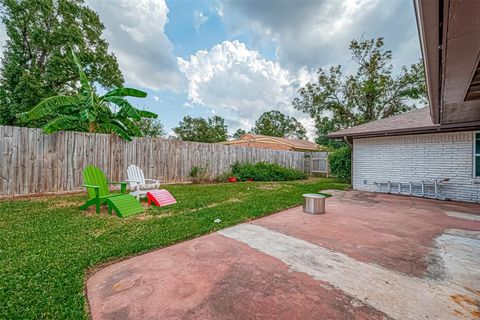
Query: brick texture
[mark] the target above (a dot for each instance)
(415, 158)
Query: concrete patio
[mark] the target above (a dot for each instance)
(371, 256)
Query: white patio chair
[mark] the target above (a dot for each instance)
(138, 183)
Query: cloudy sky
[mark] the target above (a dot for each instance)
(239, 59)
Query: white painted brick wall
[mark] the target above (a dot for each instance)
(415, 158)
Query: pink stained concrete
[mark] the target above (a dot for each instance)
(390, 230)
(214, 277)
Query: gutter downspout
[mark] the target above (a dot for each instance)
(349, 144)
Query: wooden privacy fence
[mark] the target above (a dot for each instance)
(33, 162)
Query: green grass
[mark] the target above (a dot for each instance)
(48, 244)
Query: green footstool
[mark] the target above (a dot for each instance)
(124, 205)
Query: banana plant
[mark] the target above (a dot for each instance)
(89, 112)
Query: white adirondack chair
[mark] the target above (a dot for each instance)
(138, 183)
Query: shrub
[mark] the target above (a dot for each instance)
(264, 171)
(340, 162)
(198, 174)
(224, 176)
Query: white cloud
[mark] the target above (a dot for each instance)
(198, 20)
(218, 8)
(309, 124)
(239, 83)
(157, 99)
(317, 33)
(135, 31)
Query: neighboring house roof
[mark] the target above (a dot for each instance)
(416, 121)
(293, 143)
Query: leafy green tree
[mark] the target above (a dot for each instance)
(239, 133)
(202, 130)
(88, 112)
(373, 92)
(323, 126)
(151, 127)
(36, 60)
(276, 124)
(340, 163)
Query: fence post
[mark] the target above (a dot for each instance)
(327, 164)
(307, 160)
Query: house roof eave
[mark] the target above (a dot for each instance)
(472, 126)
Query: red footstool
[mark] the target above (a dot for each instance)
(160, 198)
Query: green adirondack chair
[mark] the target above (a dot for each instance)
(97, 187)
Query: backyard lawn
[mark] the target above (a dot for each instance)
(48, 244)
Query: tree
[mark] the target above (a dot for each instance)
(88, 112)
(239, 133)
(36, 59)
(340, 163)
(200, 130)
(276, 124)
(372, 92)
(151, 127)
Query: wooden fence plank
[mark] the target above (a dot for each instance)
(3, 163)
(16, 142)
